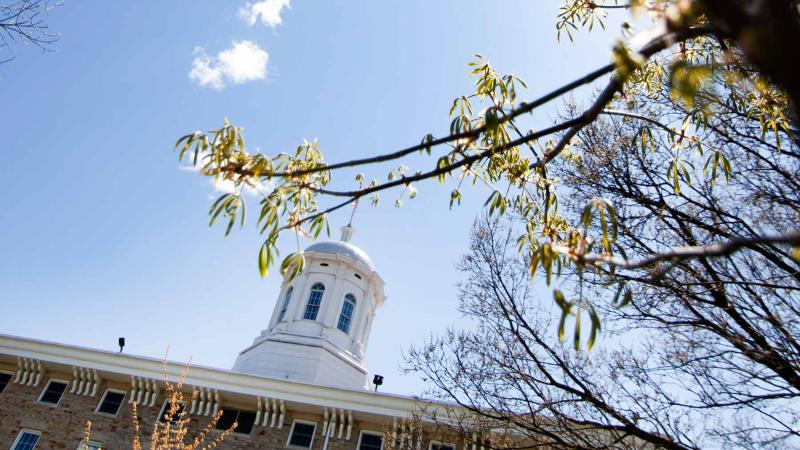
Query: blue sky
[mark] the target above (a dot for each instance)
(102, 235)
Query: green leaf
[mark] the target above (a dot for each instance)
(293, 265)
(596, 327)
(618, 294)
(558, 296)
(562, 322)
(455, 198)
(576, 338)
(626, 299)
(263, 266)
(686, 81)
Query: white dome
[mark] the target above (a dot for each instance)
(342, 248)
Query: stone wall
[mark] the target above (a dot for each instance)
(62, 426)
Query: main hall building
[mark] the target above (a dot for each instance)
(302, 384)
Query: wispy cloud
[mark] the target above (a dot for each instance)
(268, 11)
(244, 61)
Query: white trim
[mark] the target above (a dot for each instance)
(374, 433)
(103, 398)
(55, 355)
(50, 381)
(30, 431)
(95, 443)
(291, 432)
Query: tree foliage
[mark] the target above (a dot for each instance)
(700, 52)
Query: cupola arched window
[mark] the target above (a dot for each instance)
(314, 300)
(346, 316)
(285, 304)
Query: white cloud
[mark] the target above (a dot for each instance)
(244, 61)
(268, 10)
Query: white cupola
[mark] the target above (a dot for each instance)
(322, 319)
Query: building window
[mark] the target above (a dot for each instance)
(111, 402)
(244, 420)
(441, 446)
(346, 315)
(285, 304)
(53, 392)
(164, 415)
(302, 434)
(314, 300)
(370, 441)
(26, 439)
(91, 445)
(4, 379)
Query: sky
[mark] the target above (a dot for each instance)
(103, 235)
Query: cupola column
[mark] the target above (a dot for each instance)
(298, 301)
(334, 301)
(363, 311)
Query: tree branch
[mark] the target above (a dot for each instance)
(724, 248)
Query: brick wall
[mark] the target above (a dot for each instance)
(62, 426)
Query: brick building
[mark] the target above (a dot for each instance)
(302, 384)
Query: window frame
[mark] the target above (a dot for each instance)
(291, 432)
(46, 386)
(374, 433)
(352, 313)
(21, 432)
(98, 444)
(10, 379)
(287, 298)
(238, 412)
(318, 306)
(441, 444)
(103, 399)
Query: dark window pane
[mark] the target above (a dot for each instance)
(302, 434)
(285, 305)
(441, 447)
(4, 379)
(227, 419)
(314, 300)
(371, 441)
(111, 403)
(27, 441)
(165, 412)
(246, 420)
(347, 313)
(53, 392)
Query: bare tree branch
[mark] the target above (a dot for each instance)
(676, 254)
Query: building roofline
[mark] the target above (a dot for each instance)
(127, 366)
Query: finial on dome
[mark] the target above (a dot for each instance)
(347, 233)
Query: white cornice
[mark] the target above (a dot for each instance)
(125, 366)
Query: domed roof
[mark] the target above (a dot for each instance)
(343, 248)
